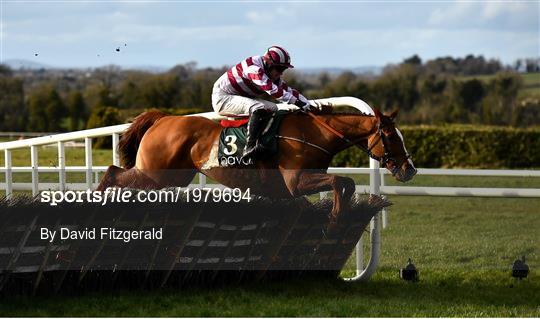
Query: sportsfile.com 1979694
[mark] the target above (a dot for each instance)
(119, 195)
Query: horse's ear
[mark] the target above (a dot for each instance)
(378, 113)
(326, 109)
(393, 115)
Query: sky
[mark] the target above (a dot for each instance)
(341, 34)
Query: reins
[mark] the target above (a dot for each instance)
(366, 150)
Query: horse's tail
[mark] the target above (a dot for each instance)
(131, 138)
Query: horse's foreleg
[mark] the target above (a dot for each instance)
(311, 183)
(307, 183)
(343, 188)
(349, 187)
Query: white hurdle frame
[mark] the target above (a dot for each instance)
(59, 140)
(376, 185)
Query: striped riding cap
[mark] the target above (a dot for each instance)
(278, 56)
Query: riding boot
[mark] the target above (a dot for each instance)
(256, 124)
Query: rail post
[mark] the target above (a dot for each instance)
(61, 166)
(384, 212)
(35, 169)
(9, 182)
(363, 274)
(116, 156)
(88, 161)
(202, 180)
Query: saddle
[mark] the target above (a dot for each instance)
(232, 139)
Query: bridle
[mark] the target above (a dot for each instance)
(381, 137)
(369, 149)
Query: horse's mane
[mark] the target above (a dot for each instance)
(329, 110)
(334, 112)
(352, 113)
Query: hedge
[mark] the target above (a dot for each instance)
(469, 146)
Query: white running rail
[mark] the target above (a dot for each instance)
(376, 180)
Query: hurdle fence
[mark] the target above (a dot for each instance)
(376, 181)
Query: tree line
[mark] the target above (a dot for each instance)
(437, 91)
(441, 91)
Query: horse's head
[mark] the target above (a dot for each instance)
(388, 146)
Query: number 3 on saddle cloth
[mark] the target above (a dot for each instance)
(232, 140)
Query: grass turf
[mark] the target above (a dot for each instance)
(440, 294)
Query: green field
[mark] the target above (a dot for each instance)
(531, 83)
(463, 248)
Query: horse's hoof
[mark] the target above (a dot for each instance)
(377, 200)
(332, 229)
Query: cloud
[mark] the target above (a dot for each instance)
(258, 17)
(267, 16)
(492, 10)
(150, 34)
(174, 34)
(377, 47)
(488, 15)
(316, 34)
(456, 13)
(118, 17)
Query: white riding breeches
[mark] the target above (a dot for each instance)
(236, 105)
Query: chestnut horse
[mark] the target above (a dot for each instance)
(159, 151)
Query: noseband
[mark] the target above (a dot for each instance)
(386, 156)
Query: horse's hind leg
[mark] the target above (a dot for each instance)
(109, 179)
(120, 177)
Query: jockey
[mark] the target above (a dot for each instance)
(237, 92)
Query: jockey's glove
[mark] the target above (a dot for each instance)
(303, 105)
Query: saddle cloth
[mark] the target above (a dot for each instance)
(232, 141)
